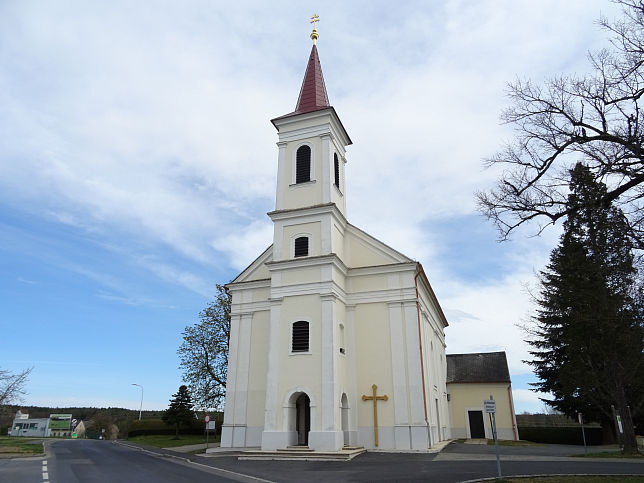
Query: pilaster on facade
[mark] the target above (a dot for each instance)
(231, 392)
(415, 374)
(326, 167)
(272, 370)
(243, 365)
(398, 366)
(281, 174)
(329, 365)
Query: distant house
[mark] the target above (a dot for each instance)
(60, 425)
(471, 379)
(23, 425)
(80, 430)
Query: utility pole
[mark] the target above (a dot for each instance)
(141, 405)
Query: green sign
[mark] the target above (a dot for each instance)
(60, 421)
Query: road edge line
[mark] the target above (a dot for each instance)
(188, 460)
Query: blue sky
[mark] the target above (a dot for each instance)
(137, 163)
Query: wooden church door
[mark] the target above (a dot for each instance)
(477, 429)
(303, 419)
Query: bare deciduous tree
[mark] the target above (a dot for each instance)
(595, 119)
(12, 386)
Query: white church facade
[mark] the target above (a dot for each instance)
(336, 338)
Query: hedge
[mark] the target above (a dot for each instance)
(166, 430)
(157, 426)
(560, 435)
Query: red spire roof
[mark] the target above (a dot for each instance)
(313, 96)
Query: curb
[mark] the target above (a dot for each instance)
(554, 475)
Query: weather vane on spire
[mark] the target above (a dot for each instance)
(314, 35)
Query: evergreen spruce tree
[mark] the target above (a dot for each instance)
(588, 333)
(180, 412)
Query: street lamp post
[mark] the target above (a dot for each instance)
(141, 406)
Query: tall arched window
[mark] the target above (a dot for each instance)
(336, 170)
(301, 246)
(300, 341)
(303, 164)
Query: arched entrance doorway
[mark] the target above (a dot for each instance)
(302, 419)
(344, 408)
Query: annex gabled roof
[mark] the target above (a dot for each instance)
(478, 367)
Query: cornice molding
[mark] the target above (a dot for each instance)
(326, 208)
(305, 262)
(236, 286)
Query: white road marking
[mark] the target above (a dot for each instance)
(233, 475)
(45, 476)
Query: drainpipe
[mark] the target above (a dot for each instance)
(422, 363)
(512, 416)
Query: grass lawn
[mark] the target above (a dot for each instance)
(509, 442)
(19, 446)
(575, 479)
(169, 441)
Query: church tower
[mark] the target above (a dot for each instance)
(309, 223)
(331, 329)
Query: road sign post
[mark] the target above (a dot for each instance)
(583, 433)
(207, 420)
(490, 407)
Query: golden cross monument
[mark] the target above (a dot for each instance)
(375, 410)
(314, 35)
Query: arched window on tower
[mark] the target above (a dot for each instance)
(300, 340)
(302, 246)
(336, 171)
(303, 164)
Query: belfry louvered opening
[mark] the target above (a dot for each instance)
(303, 164)
(336, 170)
(300, 336)
(302, 246)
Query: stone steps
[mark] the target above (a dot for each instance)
(303, 453)
(297, 449)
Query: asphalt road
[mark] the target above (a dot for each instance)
(93, 461)
(21, 470)
(89, 461)
(393, 467)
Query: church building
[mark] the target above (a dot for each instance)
(336, 338)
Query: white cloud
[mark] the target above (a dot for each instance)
(147, 125)
(526, 400)
(253, 239)
(487, 316)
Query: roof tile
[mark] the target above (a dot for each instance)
(478, 367)
(313, 96)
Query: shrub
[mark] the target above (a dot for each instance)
(560, 434)
(157, 426)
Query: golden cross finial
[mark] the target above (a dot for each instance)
(314, 35)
